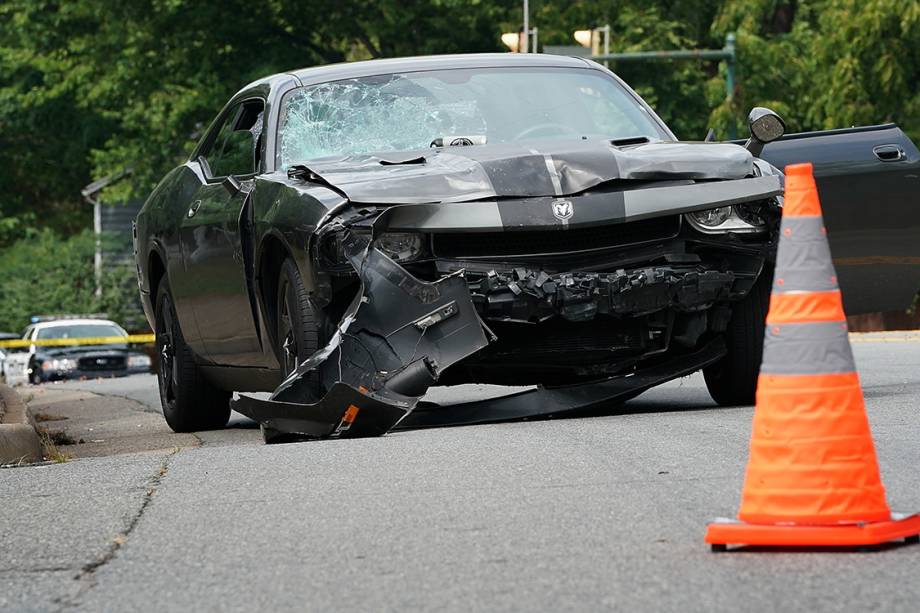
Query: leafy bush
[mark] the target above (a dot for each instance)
(47, 274)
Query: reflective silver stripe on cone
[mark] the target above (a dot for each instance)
(807, 349)
(823, 279)
(803, 258)
(805, 245)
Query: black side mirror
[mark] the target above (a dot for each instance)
(766, 127)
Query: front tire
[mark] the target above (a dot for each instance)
(732, 381)
(190, 402)
(301, 332)
(301, 327)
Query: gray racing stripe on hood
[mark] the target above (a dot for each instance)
(553, 175)
(483, 216)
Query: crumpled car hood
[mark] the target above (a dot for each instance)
(547, 168)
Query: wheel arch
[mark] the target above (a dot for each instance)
(272, 252)
(156, 272)
(153, 276)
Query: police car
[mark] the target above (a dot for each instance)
(72, 348)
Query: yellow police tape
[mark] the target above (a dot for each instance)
(68, 342)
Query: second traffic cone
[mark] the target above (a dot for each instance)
(812, 477)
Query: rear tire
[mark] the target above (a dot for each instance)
(732, 381)
(190, 402)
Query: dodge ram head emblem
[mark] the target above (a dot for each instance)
(563, 209)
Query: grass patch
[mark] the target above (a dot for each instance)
(50, 440)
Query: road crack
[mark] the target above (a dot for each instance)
(88, 571)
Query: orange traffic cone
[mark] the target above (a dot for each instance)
(812, 478)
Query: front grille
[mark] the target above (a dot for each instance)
(102, 363)
(556, 241)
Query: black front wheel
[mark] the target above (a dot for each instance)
(732, 381)
(301, 331)
(301, 327)
(190, 402)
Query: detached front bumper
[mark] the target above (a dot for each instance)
(397, 336)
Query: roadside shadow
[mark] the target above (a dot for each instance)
(676, 399)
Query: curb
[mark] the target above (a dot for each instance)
(19, 443)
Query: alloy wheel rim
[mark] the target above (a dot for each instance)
(167, 374)
(286, 332)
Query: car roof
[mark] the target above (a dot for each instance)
(73, 322)
(350, 70)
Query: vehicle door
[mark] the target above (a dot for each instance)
(869, 181)
(16, 368)
(212, 244)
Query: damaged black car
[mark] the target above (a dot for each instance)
(348, 236)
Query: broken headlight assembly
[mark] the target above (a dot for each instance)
(748, 217)
(402, 247)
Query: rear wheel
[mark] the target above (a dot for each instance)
(190, 402)
(732, 381)
(301, 332)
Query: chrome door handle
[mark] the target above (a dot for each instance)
(888, 153)
(193, 209)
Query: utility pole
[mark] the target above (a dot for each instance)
(525, 48)
(525, 40)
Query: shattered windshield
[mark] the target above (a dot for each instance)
(401, 112)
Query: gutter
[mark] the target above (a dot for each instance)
(19, 442)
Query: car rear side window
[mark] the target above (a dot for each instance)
(236, 148)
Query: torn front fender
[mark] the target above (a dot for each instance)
(398, 334)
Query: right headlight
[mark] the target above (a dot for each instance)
(747, 217)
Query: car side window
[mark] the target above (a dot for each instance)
(236, 150)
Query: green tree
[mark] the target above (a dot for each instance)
(48, 274)
(825, 63)
(89, 88)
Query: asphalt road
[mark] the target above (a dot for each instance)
(602, 513)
